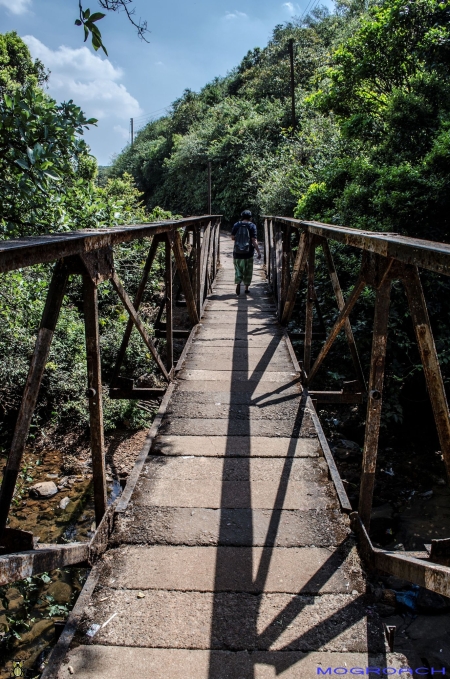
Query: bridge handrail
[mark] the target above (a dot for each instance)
(17, 253)
(192, 255)
(427, 254)
(386, 257)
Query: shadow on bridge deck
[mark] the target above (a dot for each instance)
(233, 560)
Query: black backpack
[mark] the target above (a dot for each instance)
(242, 240)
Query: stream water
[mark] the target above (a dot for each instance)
(33, 611)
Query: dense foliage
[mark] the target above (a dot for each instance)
(48, 184)
(371, 149)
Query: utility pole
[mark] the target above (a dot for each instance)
(291, 57)
(132, 130)
(209, 188)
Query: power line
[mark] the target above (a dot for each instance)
(305, 10)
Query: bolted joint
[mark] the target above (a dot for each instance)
(375, 394)
(90, 393)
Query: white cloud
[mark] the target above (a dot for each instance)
(290, 7)
(92, 82)
(122, 131)
(235, 15)
(159, 63)
(16, 6)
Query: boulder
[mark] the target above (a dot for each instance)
(43, 489)
(14, 598)
(432, 603)
(60, 591)
(397, 583)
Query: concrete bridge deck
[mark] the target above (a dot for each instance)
(233, 559)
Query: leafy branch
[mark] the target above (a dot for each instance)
(89, 21)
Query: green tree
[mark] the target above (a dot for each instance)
(17, 69)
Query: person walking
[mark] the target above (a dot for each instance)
(245, 243)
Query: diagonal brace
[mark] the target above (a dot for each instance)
(341, 303)
(137, 302)
(299, 267)
(183, 274)
(138, 323)
(429, 357)
(344, 314)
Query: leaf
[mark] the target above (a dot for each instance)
(22, 163)
(97, 16)
(8, 101)
(78, 22)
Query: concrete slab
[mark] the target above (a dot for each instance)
(239, 334)
(239, 427)
(272, 350)
(232, 318)
(236, 398)
(307, 570)
(281, 409)
(256, 377)
(248, 342)
(258, 483)
(251, 388)
(236, 527)
(274, 364)
(245, 306)
(118, 662)
(234, 621)
(235, 446)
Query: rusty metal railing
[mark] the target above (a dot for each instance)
(192, 252)
(386, 257)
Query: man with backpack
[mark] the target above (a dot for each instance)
(245, 242)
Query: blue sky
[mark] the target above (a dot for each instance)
(190, 43)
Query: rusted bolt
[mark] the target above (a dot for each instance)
(90, 393)
(375, 394)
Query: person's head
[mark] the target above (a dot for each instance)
(246, 214)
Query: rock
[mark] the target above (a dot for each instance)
(385, 611)
(351, 445)
(431, 602)
(14, 599)
(377, 593)
(43, 489)
(64, 502)
(4, 627)
(42, 627)
(388, 597)
(397, 583)
(60, 591)
(427, 494)
(63, 483)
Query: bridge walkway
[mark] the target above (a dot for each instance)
(233, 559)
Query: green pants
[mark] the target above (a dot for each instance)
(243, 271)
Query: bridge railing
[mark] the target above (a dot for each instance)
(290, 253)
(192, 257)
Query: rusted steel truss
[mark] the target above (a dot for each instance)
(386, 257)
(89, 254)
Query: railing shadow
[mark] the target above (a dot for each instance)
(235, 627)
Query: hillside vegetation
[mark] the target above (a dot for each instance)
(371, 149)
(372, 143)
